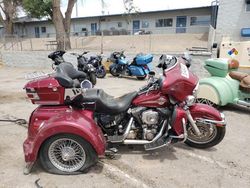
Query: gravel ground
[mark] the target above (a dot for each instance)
(225, 165)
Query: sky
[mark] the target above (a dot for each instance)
(94, 7)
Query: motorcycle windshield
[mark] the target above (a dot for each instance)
(122, 61)
(179, 82)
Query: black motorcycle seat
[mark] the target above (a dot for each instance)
(66, 75)
(103, 102)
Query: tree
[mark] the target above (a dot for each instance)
(51, 9)
(130, 9)
(9, 9)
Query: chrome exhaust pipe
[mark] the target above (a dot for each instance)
(136, 142)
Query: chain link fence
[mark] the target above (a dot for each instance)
(136, 41)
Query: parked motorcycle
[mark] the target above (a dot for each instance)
(89, 70)
(96, 61)
(93, 62)
(139, 67)
(73, 126)
(226, 85)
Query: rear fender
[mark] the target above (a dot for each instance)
(74, 122)
(206, 112)
(220, 91)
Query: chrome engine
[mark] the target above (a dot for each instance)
(149, 121)
(150, 117)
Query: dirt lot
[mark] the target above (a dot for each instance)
(226, 165)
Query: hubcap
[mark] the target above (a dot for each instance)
(67, 155)
(208, 133)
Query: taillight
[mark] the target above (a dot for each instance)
(145, 67)
(32, 94)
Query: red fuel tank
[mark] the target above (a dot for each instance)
(154, 99)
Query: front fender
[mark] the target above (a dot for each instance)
(220, 91)
(75, 122)
(207, 112)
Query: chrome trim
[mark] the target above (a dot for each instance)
(128, 128)
(184, 129)
(202, 120)
(190, 100)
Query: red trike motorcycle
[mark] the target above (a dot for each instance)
(73, 126)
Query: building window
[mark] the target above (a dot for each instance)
(164, 22)
(43, 29)
(119, 24)
(145, 24)
(200, 20)
(248, 5)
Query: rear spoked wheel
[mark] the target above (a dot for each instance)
(67, 154)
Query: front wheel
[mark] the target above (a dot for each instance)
(67, 154)
(100, 72)
(211, 135)
(113, 71)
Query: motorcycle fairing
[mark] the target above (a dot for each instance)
(122, 61)
(47, 121)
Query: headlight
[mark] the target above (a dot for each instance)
(195, 91)
(190, 100)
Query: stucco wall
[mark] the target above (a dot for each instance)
(232, 17)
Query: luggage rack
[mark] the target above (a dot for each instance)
(36, 75)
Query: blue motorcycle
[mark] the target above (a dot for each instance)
(139, 67)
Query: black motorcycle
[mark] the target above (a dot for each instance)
(95, 61)
(88, 70)
(83, 65)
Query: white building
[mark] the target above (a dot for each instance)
(189, 20)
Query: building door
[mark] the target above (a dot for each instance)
(136, 26)
(37, 32)
(181, 23)
(93, 28)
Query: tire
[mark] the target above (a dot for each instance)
(55, 164)
(113, 72)
(92, 78)
(141, 77)
(101, 72)
(214, 138)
